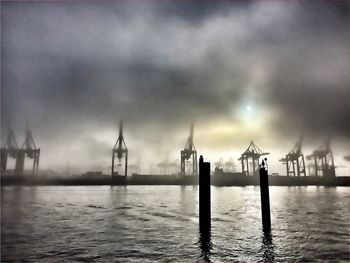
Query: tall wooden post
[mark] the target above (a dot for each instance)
(204, 194)
(265, 197)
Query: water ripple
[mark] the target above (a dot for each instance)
(160, 223)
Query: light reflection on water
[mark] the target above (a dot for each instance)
(160, 223)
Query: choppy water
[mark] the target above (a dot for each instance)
(160, 223)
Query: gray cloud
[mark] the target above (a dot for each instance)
(73, 69)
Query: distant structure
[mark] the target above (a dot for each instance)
(134, 168)
(164, 167)
(9, 150)
(28, 149)
(250, 159)
(323, 160)
(229, 166)
(189, 152)
(347, 158)
(310, 168)
(219, 164)
(121, 152)
(294, 160)
(167, 167)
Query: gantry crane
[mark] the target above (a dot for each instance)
(28, 150)
(294, 160)
(120, 151)
(10, 149)
(252, 153)
(189, 152)
(323, 159)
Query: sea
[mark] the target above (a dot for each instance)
(160, 224)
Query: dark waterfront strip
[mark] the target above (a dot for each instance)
(216, 180)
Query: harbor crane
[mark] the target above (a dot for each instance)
(252, 153)
(323, 159)
(121, 152)
(189, 153)
(294, 160)
(9, 150)
(29, 150)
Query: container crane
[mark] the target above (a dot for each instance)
(10, 149)
(189, 153)
(121, 152)
(252, 153)
(323, 159)
(29, 150)
(294, 160)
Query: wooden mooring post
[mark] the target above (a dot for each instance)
(204, 195)
(265, 196)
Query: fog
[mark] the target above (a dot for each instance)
(240, 70)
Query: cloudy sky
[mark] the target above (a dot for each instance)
(240, 70)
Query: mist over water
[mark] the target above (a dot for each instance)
(160, 223)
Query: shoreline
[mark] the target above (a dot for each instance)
(216, 180)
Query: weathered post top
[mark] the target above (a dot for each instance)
(264, 164)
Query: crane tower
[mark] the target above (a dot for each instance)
(189, 153)
(294, 160)
(323, 159)
(250, 159)
(120, 152)
(9, 150)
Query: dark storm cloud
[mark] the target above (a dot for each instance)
(73, 69)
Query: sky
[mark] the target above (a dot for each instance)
(240, 70)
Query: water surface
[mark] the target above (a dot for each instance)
(160, 223)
